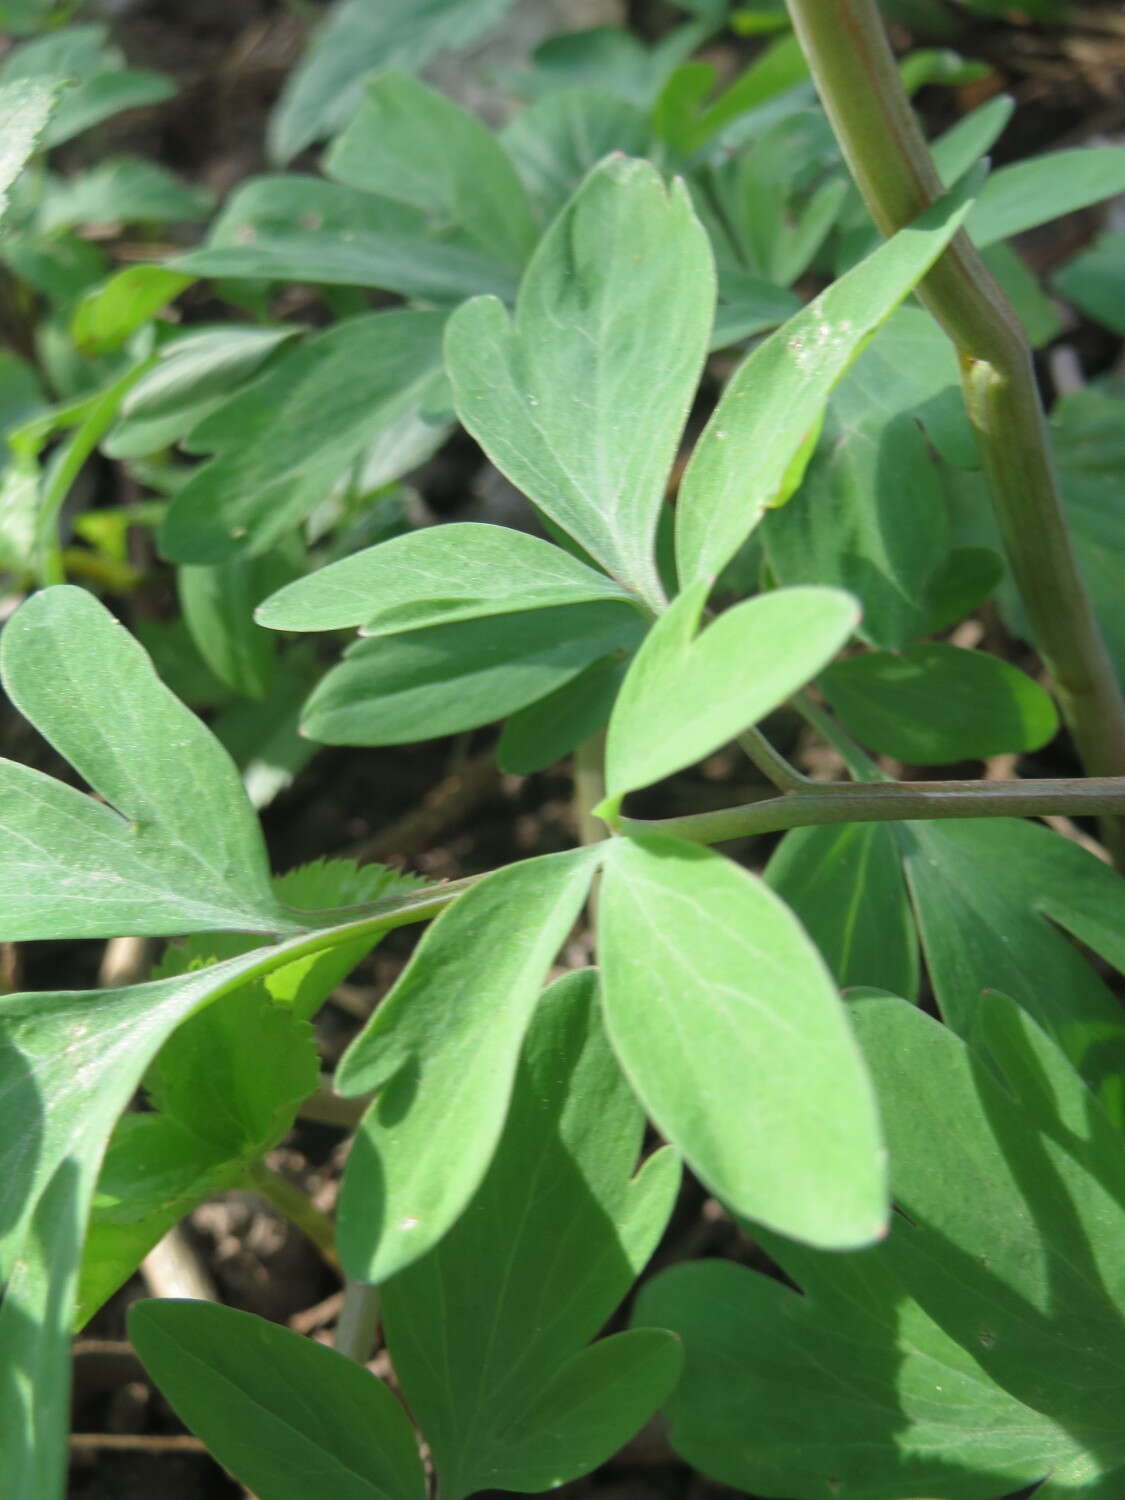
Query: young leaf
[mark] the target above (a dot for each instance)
(413, 145)
(687, 694)
(355, 39)
(435, 576)
(744, 461)
(306, 229)
(970, 1355)
(177, 848)
(279, 1411)
(727, 1025)
(448, 678)
(846, 886)
(502, 1386)
(442, 1049)
(580, 401)
(934, 704)
(280, 445)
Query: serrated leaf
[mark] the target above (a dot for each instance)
(281, 444)
(412, 145)
(424, 683)
(355, 39)
(277, 1410)
(728, 1026)
(177, 848)
(443, 1049)
(503, 1393)
(291, 228)
(580, 400)
(935, 704)
(687, 694)
(775, 400)
(435, 576)
(845, 884)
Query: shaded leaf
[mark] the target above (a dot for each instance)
(279, 1411)
(560, 137)
(502, 1388)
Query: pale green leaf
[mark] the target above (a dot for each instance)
(25, 107)
(687, 694)
(109, 314)
(442, 1049)
(727, 1024)
(580, 400)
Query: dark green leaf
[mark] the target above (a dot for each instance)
(507, 1396)
(934, 704)
(846, 886)
(218, 606)
(424, 683)
(279, 1411)
(281, 444)
(544, 732)
(581, 399)
(442, 1049)
(729, 1028)
(1095, 280)
(355, 39)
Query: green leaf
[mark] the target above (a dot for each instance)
(305, 229)
(1032, 192)
(727, 1025)
(218, 606)
(414, 146)
(934, 704)
(128, 190)
(544, 732)
(743, 463)
(435, 576)
(177, 848)
(967, 578)
(848, 525)
(356, 38)
(279, 1411)
(97, 83)
(556, 141)
(1019, 283)
(990, 897)
(686, 694)
(442, 1049)
(970, 1355)
(845, 884)
(25, 107)
(580, 401)
(425, 683)
(1095, 280)
(108, 314)
(281, 444)
(501, 1385)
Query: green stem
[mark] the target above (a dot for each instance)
(589, 788)
(297, 1208)
(855, 73)
(895, 801)
(772, 764)
(859, 764)
(358, 1321)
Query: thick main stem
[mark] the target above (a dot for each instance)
(895, 801)
(855, 74)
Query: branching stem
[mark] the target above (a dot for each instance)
(854, 71)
